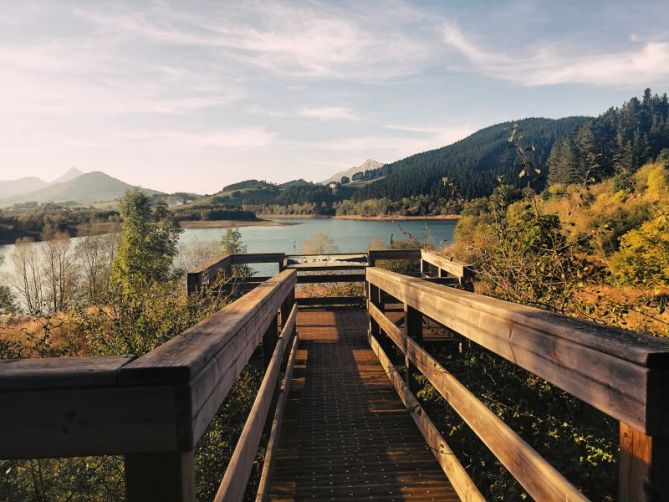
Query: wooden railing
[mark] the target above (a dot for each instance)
(623, 374)
(154, 409)
(327, 268)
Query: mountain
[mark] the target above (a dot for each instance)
(471, 166)
(68, 175)
(11, 188)
(87, 188)
(367, 165)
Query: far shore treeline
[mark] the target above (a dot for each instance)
(34, 221)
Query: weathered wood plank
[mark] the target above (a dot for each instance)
(643, 466)
(541, 480)
(239, 468)
(329, 278)
(559, 349)
(247, 258)
(456, 268)
(463, 484)
(54, 372)
(38, 423)
(277, 422)
(181, 358)
(327, 266)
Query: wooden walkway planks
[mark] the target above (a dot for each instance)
(346, 433)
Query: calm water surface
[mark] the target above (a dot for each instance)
(349, 235)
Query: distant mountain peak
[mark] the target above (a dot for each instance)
(367, 165)
(68, 175)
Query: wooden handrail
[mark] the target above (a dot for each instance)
(624, 374)
(152, 409)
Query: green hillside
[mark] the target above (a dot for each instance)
(472, 165)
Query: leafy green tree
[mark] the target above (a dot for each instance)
(643, 258)
(231, 243)
(148, 243)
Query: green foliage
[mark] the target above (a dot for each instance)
(618, 141)
(231, 243)
(643, 258)
(472, 164)
(147, 246)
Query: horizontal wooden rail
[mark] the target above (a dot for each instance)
(221, 267)
(237, 474)
(461, 271)
(277, 423)
(541, 480)
(630, 367)
(462, 483)
(624, 374)
(152, 409)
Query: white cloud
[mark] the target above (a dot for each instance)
(550, 65)
(329, 113)
(307, 40)
(241, 138)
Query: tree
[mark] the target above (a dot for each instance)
(345, 180)
(58, 270)
(27, 277)
(7, 305)
(319, 244)
(231, 243)
(147, 246)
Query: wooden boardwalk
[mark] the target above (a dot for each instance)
(346, 435)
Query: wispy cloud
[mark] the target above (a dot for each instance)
(329, 113)
(300, 40)
(241, 138)
(550, 65)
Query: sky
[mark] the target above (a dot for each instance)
(193, 95)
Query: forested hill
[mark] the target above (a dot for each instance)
(472, 165)
(616, 143)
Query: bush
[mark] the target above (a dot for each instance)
(643, 258)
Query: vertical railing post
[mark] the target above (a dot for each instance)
(193, 283)
(162, 476)
(643, 466)
(373, 297)
(269, 340)
(413, 321)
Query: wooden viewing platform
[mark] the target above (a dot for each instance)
(342, 417)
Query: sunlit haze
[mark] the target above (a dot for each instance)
(191, 96)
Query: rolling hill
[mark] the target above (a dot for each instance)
(472, 164)
(86, 188)
(12, 188)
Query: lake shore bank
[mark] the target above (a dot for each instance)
(233, 223)
(388, 217)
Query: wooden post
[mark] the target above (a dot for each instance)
(644, 466)
(373, 293)
(164, 476)
(413, 320)
(193, 283)
(422, 267)
(269, 341)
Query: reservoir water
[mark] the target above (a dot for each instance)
(348, 235)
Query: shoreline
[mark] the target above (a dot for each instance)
(203, 224)
(387, 217)
(397, 217)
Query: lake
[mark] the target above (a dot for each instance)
(349, 235)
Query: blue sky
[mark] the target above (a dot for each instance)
(193, 95)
